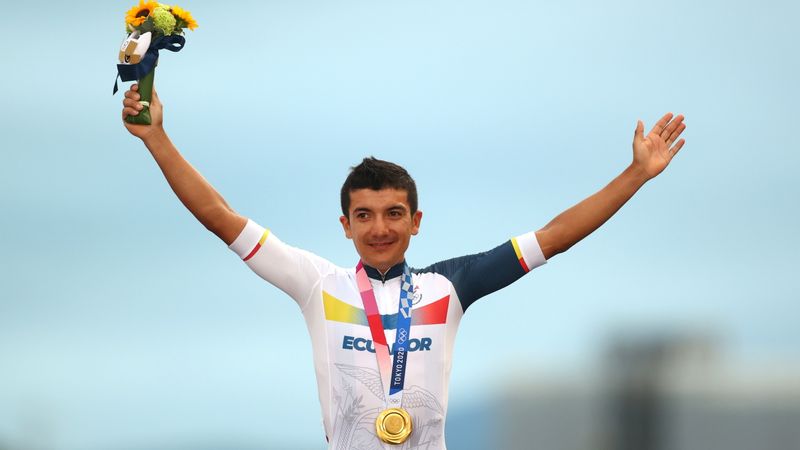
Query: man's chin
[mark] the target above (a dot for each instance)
(382, 266)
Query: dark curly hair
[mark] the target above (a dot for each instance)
(376, 174)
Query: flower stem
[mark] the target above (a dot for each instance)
(146, 93)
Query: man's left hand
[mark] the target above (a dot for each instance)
(653, 153)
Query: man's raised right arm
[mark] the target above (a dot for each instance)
(199, 197)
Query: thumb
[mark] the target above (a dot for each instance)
(155, 97)
(637, 135)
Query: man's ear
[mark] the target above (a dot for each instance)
(416, 218)
(346, 226)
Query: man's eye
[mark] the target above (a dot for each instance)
(362, 215)
(395, 214)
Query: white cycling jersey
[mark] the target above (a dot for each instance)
(350, 389)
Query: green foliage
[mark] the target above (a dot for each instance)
(163, 21)
(147, 25)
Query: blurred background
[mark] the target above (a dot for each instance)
(124, 324)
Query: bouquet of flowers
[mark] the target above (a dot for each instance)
(151, 27)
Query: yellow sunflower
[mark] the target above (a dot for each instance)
(138, 14)
(185, 16)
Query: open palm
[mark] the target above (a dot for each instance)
(654, 152)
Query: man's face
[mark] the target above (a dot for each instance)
(380, 224)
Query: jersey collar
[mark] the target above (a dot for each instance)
(395, 271)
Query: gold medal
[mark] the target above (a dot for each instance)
(393, 425)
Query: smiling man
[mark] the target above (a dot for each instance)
(380, 221)
(382, 333)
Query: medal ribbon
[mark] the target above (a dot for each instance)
(394, 371)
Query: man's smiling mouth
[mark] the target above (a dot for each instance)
(381, 245)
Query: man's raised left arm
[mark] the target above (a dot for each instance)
(651, 155)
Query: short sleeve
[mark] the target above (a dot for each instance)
(478, 275)
(292, 270)
(528, 252)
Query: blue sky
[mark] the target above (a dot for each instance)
(122, 320)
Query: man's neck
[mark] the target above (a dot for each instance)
(384, 274)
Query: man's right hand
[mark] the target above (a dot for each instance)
(131, 107)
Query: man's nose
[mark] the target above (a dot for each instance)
(380, 226)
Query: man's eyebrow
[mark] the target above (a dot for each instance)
(361, 209)
(396, 207)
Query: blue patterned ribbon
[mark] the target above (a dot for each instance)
(400, 349)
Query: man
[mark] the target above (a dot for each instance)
(382, 333)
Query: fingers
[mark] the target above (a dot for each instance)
(677, 147)
(671, 127)
(129, 112)
(130, 103)
(659, 126)
(675, 134)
